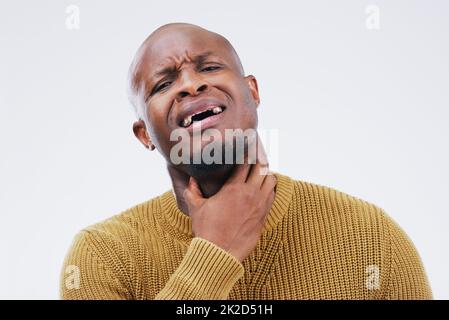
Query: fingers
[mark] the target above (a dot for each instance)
(260, 169)
(256, 175)
(192, 194)
(240, 173)
(253, 173)
(269, 183)
(269, 195)
(270, 200)
(261, 154)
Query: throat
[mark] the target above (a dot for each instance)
(212, 182)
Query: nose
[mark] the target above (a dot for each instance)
(192, 84)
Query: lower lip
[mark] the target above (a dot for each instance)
(205, 123)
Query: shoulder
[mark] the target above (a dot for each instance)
(359, 236)
(322, 202)
(114, 238)
(129, 221)
(345, 212)
(318, 201)
(110, 252)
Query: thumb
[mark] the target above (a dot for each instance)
(192, 194)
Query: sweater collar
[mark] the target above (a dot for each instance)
(175, 221)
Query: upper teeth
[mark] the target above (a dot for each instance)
(188, 120)
(217, 110)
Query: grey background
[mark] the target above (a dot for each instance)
(363, 111)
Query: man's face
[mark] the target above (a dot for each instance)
(187, 70)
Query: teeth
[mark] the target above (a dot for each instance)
(187, 121)
(216, 110)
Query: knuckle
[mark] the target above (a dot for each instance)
(186, 194)
(231, 188)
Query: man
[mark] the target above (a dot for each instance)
(230, 230)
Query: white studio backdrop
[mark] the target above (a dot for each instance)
(358, 91)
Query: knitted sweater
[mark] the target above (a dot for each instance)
(317, 243)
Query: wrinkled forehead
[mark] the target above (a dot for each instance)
(175, 43)
(174, 48)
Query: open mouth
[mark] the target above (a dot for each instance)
(212, 111)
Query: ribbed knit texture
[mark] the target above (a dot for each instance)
(318, 243)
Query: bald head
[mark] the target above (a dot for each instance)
(175, 43)
(186, 28)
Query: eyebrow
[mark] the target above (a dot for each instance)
(198, 60)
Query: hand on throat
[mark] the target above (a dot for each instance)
(210, 180)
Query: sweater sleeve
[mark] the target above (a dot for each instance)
(87, 276)
(407, 280)
(90, 273)
(206, 272)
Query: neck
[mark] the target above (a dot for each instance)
(210, 182)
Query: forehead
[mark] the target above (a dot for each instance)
(175, 47)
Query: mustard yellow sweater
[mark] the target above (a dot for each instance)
(318, 243)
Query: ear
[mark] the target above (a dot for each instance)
(140, 131)
(252, 84)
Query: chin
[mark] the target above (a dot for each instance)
(203, 171)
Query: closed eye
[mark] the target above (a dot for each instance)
(161, 87)
(210, 68)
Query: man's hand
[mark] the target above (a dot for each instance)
(234, 217)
